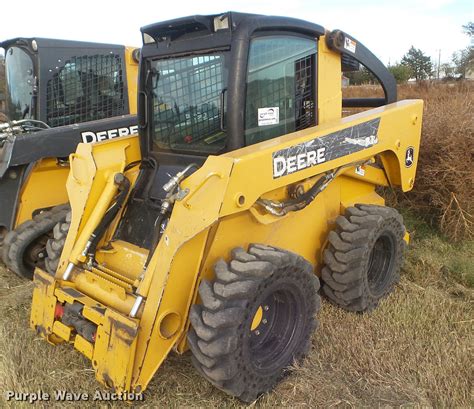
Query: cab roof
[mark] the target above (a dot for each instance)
(230, 21)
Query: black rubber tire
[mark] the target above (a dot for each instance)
(3, 233)
(246, 362)
(364, 255)
(18, 243)
(55, 244)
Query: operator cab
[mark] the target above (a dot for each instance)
(213, 84)
(61, 82)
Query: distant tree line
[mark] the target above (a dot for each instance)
(418, 66)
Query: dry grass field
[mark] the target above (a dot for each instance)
(445, 174)
(415, 350)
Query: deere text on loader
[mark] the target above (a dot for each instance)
(272, 191)
(59, 93)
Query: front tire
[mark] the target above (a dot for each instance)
(255, 320)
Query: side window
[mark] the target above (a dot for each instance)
(280, 87)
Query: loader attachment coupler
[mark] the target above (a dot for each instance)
(103, 335)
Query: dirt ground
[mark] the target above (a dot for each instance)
(414, 350)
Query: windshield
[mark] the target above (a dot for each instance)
(19, 83)
(188, 99)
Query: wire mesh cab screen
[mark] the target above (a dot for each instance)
(188, 103)
(86, 88)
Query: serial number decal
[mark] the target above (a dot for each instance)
(326, 148)
(92, 137)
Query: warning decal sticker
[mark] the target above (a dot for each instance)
(350, 45)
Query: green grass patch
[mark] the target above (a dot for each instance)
(434, 259)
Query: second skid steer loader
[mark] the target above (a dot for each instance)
(272, 191)
(59, 93)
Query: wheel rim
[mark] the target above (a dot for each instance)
(35, 253)
(380, 264)
(274, 330)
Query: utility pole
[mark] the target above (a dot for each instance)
(439, 61)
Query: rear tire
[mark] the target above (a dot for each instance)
(255, 320)
(364, 256)
(24, 248)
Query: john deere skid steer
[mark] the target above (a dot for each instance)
(59, 93)
(270, 192)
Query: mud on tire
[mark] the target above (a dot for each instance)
(363, 257)
(256, 319)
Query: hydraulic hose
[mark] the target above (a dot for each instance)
(282, 208)
(166, 206)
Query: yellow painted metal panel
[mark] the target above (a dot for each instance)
(114, 350)
(83, 346)
(396, 133)
(132, 79)
(45, 187)
(43, 306)
(329, 83)
(176, 298)
(190, 219)
(124, 258)
(61, 330)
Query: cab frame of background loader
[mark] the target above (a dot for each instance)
(43, 74)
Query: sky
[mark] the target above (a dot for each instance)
(387, 28)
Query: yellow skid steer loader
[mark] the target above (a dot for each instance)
(209, 230)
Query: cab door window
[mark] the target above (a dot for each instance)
(280, 96)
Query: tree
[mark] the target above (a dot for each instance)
(463, 60)
(401, 72)
(420, 64)
(469, 30)
(363, 76)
